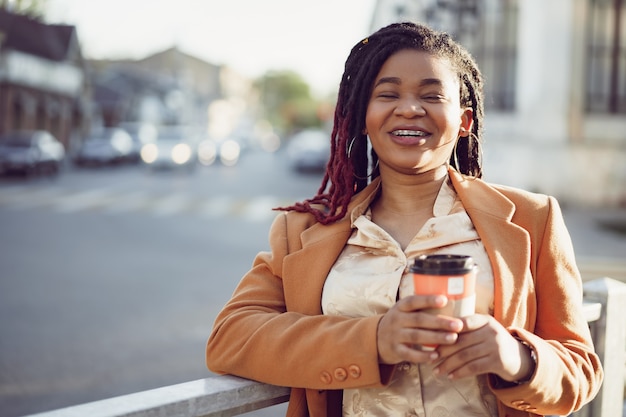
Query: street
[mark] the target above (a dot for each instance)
(111, 278)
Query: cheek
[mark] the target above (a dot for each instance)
(374, 118)
(369, 121)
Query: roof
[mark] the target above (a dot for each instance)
(30, 36)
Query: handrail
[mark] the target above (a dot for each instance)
(227, 395)
(222, 396)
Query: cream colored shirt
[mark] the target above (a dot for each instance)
(372, 273)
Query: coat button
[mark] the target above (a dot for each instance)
(354, 371)
(326, 378)
(340, 374)
(517, 403)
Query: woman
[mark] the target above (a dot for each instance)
(330, 311)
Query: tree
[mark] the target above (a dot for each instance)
(287, 102)
(32, 8)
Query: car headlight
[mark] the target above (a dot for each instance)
(149, 153)
(181, 153)
(229, 152)
(207, 152)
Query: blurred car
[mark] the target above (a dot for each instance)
(171, 148)
(106, 147)
(31, 152)
(225, 151)
(309, 150)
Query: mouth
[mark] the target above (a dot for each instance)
(409, 136)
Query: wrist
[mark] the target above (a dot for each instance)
(528, 363)
(527, 369)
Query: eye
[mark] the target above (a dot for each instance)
(384, 95)
(387, 95)
(434, 97)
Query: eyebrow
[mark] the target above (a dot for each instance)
(397, 81)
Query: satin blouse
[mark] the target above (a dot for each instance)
(372, 273)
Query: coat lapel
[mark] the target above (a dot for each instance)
(507, 245)
(308, 267)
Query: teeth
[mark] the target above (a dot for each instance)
(409, 133)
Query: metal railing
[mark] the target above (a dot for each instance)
(230, 396)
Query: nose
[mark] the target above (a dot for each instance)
(409, 107)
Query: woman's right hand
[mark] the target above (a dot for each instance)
(406, 326)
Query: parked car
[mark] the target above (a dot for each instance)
(171, 148)
(31, 152)
(105, 147)
(309, 150)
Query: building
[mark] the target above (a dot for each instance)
(555, 88)
(168, 87)
(42, 79)
(172, 87)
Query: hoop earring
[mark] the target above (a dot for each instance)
(480, 150)
(470, 137)
(349, 151)
(455, 156)
(368, 175)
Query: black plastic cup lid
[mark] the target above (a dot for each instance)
(443, 264)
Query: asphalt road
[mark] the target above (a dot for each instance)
(110, 278)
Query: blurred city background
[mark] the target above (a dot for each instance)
(143, 145)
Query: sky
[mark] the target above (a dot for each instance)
(310, 37)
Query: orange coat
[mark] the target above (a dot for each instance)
(272, 330)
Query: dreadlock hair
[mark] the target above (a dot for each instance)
(346, 171)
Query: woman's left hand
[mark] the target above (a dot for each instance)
(484, 346)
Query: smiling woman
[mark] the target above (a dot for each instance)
(332, 309)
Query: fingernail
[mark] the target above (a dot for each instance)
(436, 371)
(451, 337)
(434, 356)
(455, 325)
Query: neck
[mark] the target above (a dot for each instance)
(408, 195)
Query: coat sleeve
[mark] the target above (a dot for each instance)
(568, 373)
(255, 337)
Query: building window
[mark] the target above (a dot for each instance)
(606, 57)
(488, 29)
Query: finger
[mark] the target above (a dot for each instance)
(475, 322)
(421, 302)
(468, 361)
(478, 366)
(427, 338)
(413, 354)
(427, 320)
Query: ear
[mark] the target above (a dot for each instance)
(467, 121)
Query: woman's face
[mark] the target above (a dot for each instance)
(414, 115)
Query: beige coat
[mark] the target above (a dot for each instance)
(273, 330)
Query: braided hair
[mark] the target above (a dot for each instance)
(346, 172)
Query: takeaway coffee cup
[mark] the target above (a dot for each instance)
(451, 275)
